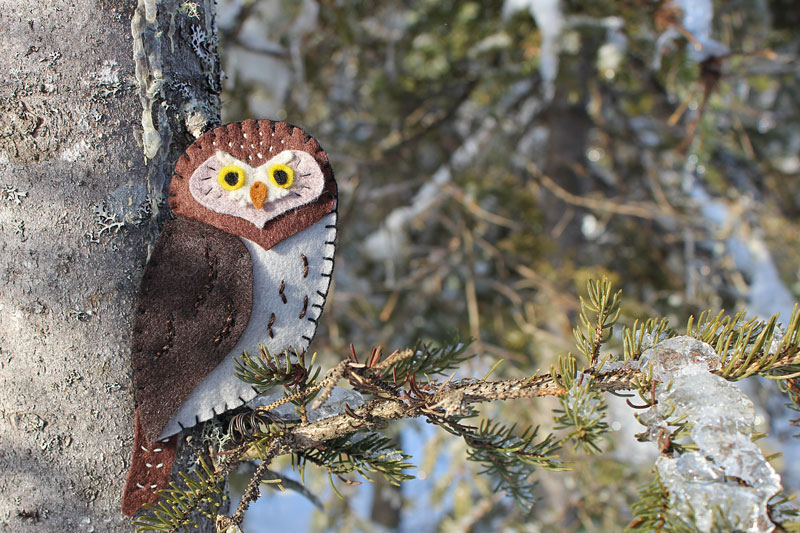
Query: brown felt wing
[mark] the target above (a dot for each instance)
(194, 303)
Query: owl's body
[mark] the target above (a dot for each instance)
(285, 285)
(247, 262)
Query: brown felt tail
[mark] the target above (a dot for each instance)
(151, 466)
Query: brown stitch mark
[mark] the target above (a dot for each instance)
(226, 329)
(305, 307)
(170, 339)
(269, 326)
(305, 266)
(209, 280)
(280, 291)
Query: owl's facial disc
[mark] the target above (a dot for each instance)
(230, 186)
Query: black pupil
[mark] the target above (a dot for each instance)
(231, 178)
(281, 177)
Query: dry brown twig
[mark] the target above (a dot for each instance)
(595, 204)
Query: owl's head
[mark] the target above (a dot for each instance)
(258, 179)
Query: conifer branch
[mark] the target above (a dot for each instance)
(251, 493)
(508, 458)
(597, 318)
(401, 386)
(201, 492)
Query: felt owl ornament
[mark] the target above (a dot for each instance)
(247, 261)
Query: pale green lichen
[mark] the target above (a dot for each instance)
(150, 10)
(190, 9)
(148, 73)
(201, 113)
(196, 117)
(108, 222)
(147, 42)
(11, 194)
(19, 229)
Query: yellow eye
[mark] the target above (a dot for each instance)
(281, 175)
(231, 177)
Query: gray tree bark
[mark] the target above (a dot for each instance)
(79, 197)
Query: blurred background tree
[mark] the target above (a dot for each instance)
(493, 156)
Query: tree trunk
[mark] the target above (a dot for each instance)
(80, 192)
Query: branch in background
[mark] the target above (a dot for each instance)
(594, 204)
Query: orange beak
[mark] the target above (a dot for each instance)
(258, 194)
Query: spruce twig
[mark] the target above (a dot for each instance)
(252, 492)
(401, 386)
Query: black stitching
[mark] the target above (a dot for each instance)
(324, 295)
(314, 320)
(306, 338)
(316, 305)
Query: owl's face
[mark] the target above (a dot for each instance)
(258, 179)
(230, 186)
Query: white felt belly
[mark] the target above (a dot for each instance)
(302, 265)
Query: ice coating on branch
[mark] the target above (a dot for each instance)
(611, 367)
(679, 355)
(335, 404)
(727, 474)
